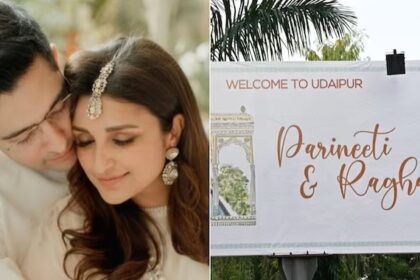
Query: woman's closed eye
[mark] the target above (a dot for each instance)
(123, 142)
(117, 141)
(82, 139)
(82, 143)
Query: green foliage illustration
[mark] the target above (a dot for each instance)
(232, 184)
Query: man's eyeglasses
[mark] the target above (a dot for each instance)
(57, 111)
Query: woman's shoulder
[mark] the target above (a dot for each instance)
(197, 270)
(183, 267)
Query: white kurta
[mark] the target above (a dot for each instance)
(26, 197)
(44, 260)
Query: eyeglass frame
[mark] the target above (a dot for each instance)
(58, 107)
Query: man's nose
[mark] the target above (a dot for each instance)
(55, 138)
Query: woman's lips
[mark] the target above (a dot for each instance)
(110, 181)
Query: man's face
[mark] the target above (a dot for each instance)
(35, 128)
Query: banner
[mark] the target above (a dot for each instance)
(313, 158)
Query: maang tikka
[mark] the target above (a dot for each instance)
(94, 109)
(170, 172)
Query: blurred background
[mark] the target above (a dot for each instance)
(180, 27)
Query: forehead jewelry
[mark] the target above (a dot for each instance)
(94, 109)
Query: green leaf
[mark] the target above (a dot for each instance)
(259, 31)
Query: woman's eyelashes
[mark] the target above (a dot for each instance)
(84, 142)
(123, 142)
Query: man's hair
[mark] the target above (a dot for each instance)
(21, 40)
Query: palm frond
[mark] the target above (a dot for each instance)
(259, 30)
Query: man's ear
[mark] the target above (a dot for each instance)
(54, 53)
(176, 130)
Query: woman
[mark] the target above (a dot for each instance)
(137, 210)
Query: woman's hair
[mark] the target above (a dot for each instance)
(116, 241)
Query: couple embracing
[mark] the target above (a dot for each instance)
(103, 168)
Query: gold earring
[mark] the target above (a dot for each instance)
(170, 172)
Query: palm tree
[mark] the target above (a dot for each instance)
(260, 29)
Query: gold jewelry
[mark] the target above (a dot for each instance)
(94, 109)
(170, 172)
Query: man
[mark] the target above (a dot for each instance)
(35, 134)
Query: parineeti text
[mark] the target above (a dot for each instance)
(351, 177)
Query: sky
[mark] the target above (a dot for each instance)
(389, 25)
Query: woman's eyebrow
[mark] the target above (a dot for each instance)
(108, 129)
(120, 127)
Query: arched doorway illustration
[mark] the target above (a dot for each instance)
(235, 129)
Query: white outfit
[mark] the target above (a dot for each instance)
(45, 256)
(26, 197)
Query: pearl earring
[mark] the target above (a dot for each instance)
(170, 172)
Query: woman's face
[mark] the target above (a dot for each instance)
(123, 151)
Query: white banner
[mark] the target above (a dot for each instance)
(314, 157)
